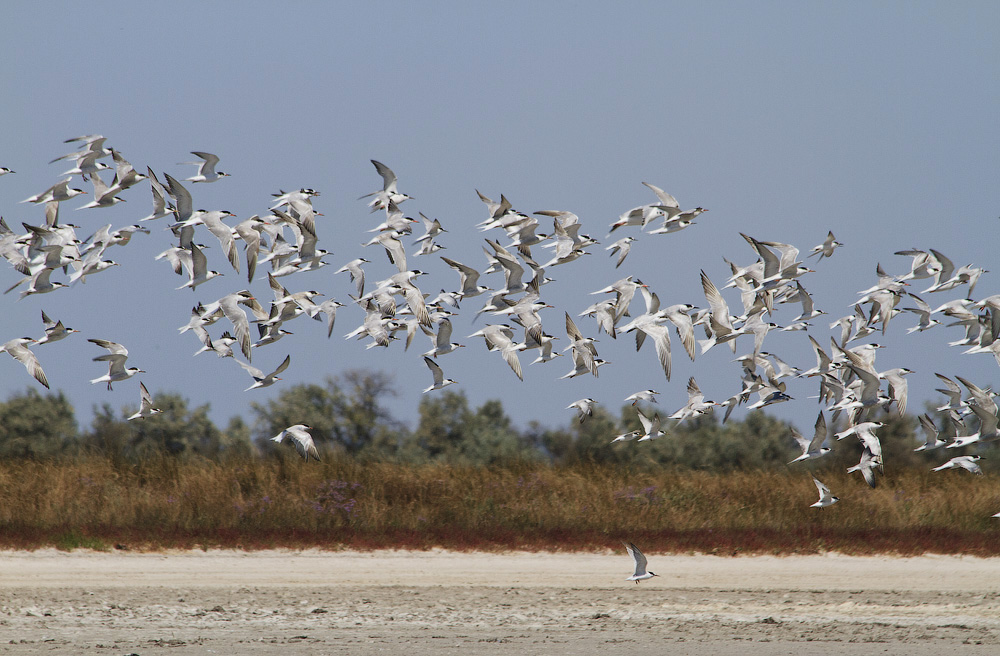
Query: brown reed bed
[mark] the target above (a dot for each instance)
(257, 503)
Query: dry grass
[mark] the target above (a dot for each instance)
(264, 503)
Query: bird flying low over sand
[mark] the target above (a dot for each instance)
(639, 560)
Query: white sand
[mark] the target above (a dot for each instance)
(428, 602)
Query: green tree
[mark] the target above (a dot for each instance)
(491, 439)
(441, 428)
(588, 441)
(174, 431)
(347, 414)
(235, 439)
(109, 435)
(36, 426)
(450, 431)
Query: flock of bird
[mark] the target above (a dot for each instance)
(519, 249)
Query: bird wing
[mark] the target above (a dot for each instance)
(665, 198)
(181, 196)
(114, 348)
(436, 371)
(824, 491)
(284, 365)
(388, 177)
(819, 436)
(637, 558)
(207, 167)
(23, 355)
(661, 340)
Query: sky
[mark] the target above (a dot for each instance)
(877, 121)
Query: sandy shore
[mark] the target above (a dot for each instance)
(420, 603)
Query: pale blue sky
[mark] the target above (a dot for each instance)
(786, 119)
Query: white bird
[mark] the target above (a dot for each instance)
(468, 278)
(389, 193)
(116, 357)
(825, 498)
(303, 441)
(432, 228)
(923, 311)
(827, 247)
(356, 272)
(442, 340)
(260, 379)
(125, 174)
(867, 466)
(650, 426)
(439, 379)
(584, 351)
(661, 341)
(696, 404)
(87, 165)
(648, 396)
(865, 432)
(897, 387)
(58, 192)
(719, 320)
(393, 247)
(933, 435)
(640, 573)
(104, 196)
(500, 338)
(199, 272)
(228, 305)
(812, 448)
(146, 408)
(622, 247)
(583, 407)
(17, 348)
(626, 437)
(206, 168)
(54, 330)
(965, 462)
(222, 347)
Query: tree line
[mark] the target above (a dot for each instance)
(349, 417)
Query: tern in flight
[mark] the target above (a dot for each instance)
(206, 168)
(116, 357)
(303, 441)
(439, 379)
(260, 379)
(146, 408)
(640, 573)
(584, 408)
(825, 498)
(17, 348)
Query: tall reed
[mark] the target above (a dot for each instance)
(285, 502)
